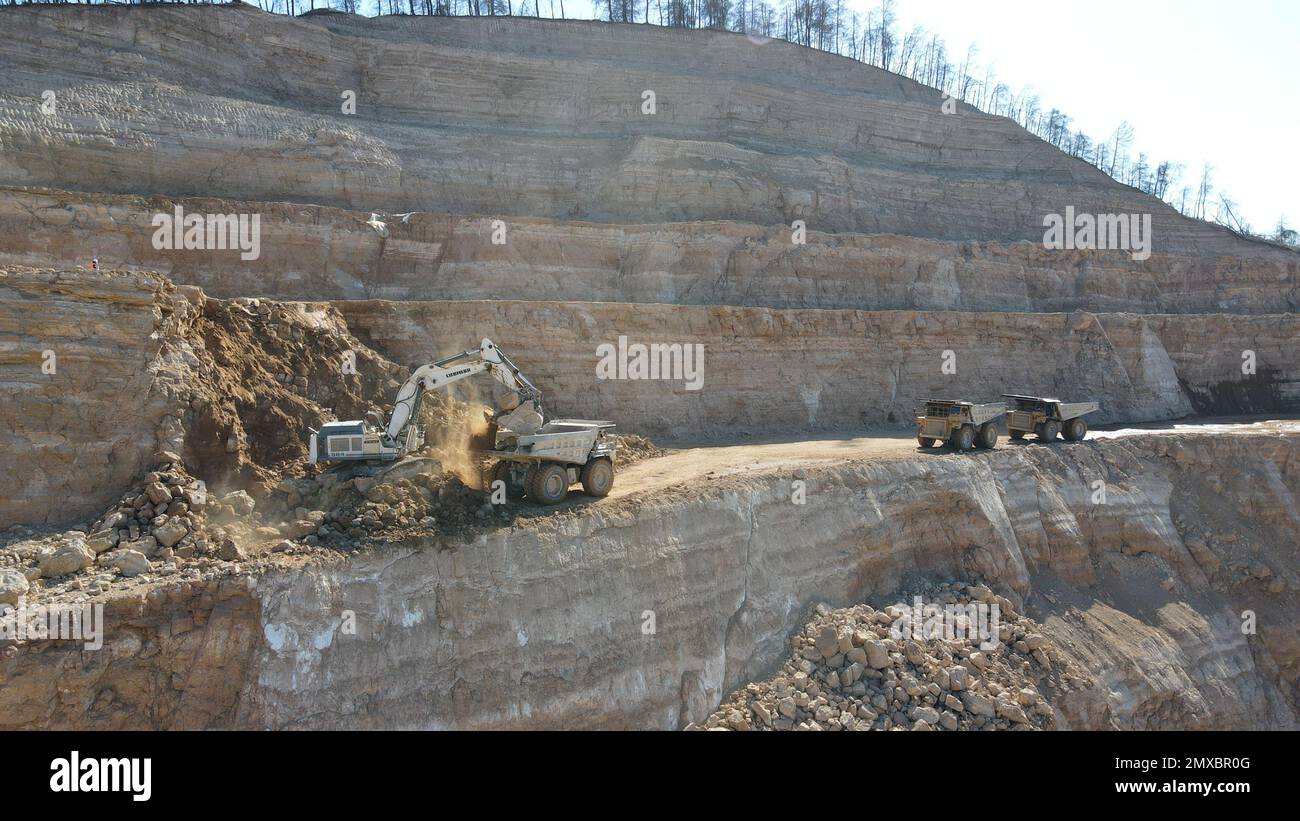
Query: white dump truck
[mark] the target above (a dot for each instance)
(536, 457)
(1047, 417)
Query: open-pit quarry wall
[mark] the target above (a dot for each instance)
(125, 361)
(922, 272)
(768, 371)
(523, 117)
(542, 625)
(315, 252)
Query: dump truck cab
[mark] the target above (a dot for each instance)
(961, 425)
(1047, 417)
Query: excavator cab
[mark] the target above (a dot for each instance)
(354, 440)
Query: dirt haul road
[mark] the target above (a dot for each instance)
(693, 465)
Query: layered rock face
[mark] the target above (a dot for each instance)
(527, 117)
(923, 274)
(134, 374)
(316, 252)
(99, 372)
(646, 611)
(86, 383)
(781, 371)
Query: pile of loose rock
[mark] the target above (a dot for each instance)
(344, 513)
(161, 526)
(864, 669)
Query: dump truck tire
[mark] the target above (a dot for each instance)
(514, 490)
(962, 438)
(550, 484)
(1076, 429)
(1017, 434)
(988, 436)
(598, 477)
(1049, 431)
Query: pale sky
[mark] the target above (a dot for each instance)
(1198, 80)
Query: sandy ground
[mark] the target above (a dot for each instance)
(693, 465)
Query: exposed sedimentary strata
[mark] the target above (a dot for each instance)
(98, 372)
(124, 369)
(541, 625)
(770, 371)
(527, 117)
(924, 237)
(315, 252)
(85, 383)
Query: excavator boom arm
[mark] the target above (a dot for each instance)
(440, 374)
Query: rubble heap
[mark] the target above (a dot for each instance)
(860, 668)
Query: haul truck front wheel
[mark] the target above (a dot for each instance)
(962, 439)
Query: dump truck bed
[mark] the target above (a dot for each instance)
(571, 441)
(1070, 410)
(1044, 404)
(986, 412)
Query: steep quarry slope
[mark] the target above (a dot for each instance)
(303, 599)
(524, 117)
(143, 366)
(647, 610)
(86, 386)
(785, 371)
(317, 252)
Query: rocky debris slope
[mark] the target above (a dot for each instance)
(167, 524)
(232, 388)
(312, 252)
(860, 668)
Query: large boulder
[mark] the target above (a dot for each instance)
(171, 532)
(13, 586)
(72, 556)
(242, 503)
(131, 562)
(157, 492)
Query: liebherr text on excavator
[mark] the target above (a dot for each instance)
(536, 457)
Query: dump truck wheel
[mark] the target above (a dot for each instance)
(550, 484)
(1017, 434)
(962, 438)
(988, 437)
(1049, 431)
(598, 477)
(514, 490)
(1076, 429)
(925, 441)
